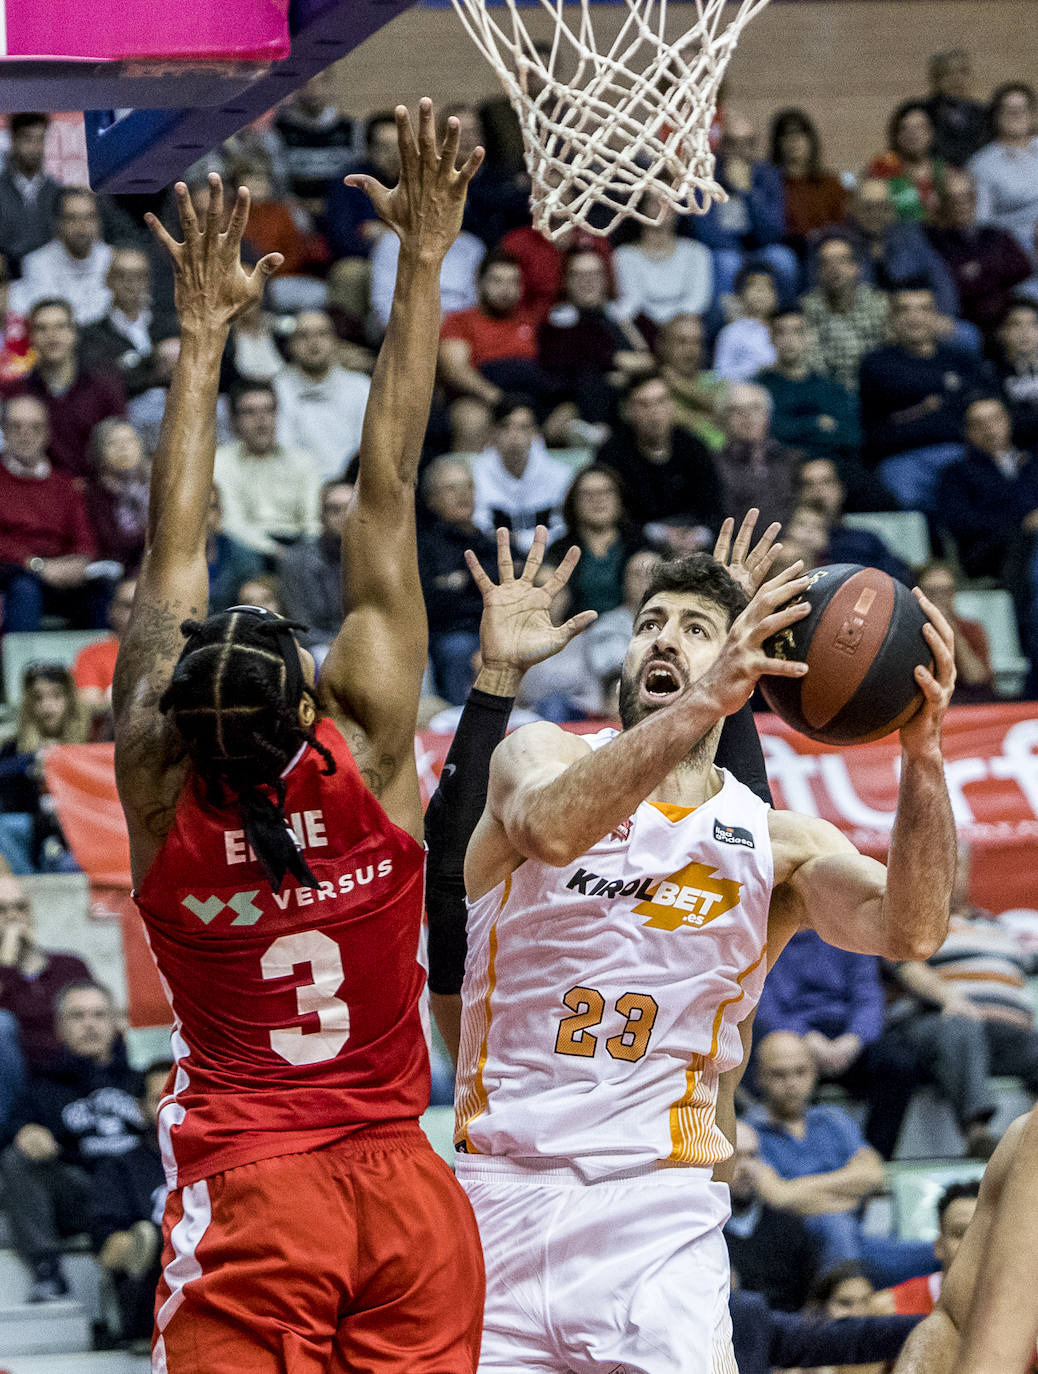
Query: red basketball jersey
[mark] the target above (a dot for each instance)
(297, 1016)
(917, 1297)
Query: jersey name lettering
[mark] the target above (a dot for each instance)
(307, 827)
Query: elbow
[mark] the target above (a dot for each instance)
(914, 947)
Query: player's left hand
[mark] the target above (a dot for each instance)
(425, 207)
(516, 630)
(211, 286)
(749, 567)
(922, 734)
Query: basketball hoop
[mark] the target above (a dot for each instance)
(633, 117)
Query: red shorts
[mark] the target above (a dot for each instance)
(363, 1256)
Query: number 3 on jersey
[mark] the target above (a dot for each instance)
(588, 1005)
(293, 1043)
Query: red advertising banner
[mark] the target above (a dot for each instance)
(991, 755)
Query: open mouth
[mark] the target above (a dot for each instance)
(661, 682)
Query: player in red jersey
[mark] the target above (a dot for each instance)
(275, 839)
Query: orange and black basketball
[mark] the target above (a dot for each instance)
(862, 643)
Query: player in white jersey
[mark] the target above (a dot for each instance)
(626, 898)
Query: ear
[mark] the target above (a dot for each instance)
(307, 711)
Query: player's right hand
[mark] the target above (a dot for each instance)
(731, 679)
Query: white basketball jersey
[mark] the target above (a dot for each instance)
(602, 1000)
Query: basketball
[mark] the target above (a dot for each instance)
(862, 643)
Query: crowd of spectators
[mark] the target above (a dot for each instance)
(820, 343)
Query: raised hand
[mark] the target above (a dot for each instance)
(922, 734)
(211, 286)
(749, 567)
(425, 207)
(516, 630)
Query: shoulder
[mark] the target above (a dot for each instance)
(796, 839)
(532, 747)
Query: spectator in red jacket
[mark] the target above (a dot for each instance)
(76, 397)
(45, 538)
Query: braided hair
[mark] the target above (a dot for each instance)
(234, 697)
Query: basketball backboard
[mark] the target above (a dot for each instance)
(140, 150)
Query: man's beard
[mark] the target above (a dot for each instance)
(632, 711)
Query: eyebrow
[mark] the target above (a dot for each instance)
(689, 614)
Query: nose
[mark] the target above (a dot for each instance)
(667, 639)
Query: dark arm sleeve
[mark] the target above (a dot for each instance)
(797, 1340)
(450, 819)
(740, 752)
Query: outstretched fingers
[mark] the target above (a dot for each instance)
(186, 211)
(569, 629)
(427, 134)
(561, 575)
(451, 143)
(742, 539)
(409, 155)
(478, 572)
(163, 235)
(535, 557)
(472, 164)
(239, 219)
(505, 571)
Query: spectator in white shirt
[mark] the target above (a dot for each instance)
(73, 265)
(518, 484)
(744, 347)
(660, 275)
(270, 492)
(458, 289)
(321, 404)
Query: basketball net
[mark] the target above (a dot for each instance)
(633, 117)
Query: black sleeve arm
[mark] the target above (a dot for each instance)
(801, 1341)
(740, 752)
(450, 819)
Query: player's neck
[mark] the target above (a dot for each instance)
(692, 783)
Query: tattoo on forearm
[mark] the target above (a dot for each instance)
(377, 773)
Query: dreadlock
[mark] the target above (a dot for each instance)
(234, 698)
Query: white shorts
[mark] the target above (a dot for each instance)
(624, 1276)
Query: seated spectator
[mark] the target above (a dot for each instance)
(968, 1014)
(812, 413)
(595, 520)
(910, 164)
(815, 199)
(269, 491)
(917, 1297)
(754, 468)
(564, 687)
(660, 275)
(755, 1233)
(320, 403)
(117, 493)
(986, 262)
(607, 640)
(94, 667)
(1006, 169)
(311, 574)
(518, 485)
(913, 396)
(816, 1163)
(498, 201)
(679, 350)
(352, 226)
(748, 227)
(452, 599)
(80, 1110)
(543, 263)
(458, 289)
(73, 265)
(667, 475)
(821, 486)
(15, 351)
(834, 1000)
(988, 500)
(960, 125)
(252, 353)
(278, 224)
(843, 1292)
(744, 346)
(264, 591)
(483, 350)
(891, 252)
(1018, 370)
(12, 1073)
(77, 397)
(128, 1198)
(318, 140)
(123, 341)
(230, 562)
(849, 318)
(50, 713)
(764, 1340)
(974, 676)
(586, 347)
(31, 977)
(28, 194)
(45, 538)
(469, 422)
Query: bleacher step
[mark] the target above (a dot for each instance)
(45, 1329)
